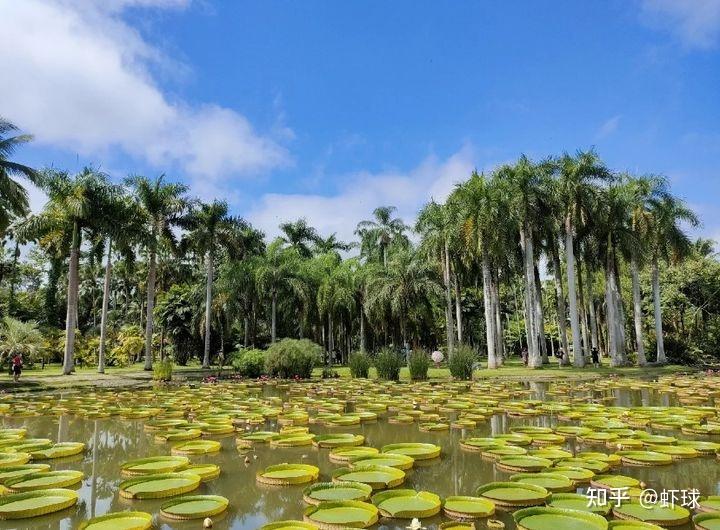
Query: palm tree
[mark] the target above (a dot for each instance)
(276, 271)
(435, 224)
(323, 245)
(17, 337)
(300, 235)
(161, 206)
(668, 242)
(210, 229)
(378, 234)
(74, 205)
(13, 197)
(335, 293)
(578, 177)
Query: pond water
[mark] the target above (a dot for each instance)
(112, 441)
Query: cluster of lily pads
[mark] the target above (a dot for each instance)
(546, 466)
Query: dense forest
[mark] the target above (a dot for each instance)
(557, 255)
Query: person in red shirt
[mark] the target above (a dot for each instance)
(16, 367)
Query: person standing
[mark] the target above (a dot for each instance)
(595, 357)
(17, 367)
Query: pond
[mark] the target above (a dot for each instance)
(111, 441)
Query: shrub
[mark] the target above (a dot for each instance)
(130, 343)
(418, 364)
(359, 363)
(162, 370)
(292, 358)
(461, 362)
(249, 363)
(387, 364)
(329, 373)
(22, 338)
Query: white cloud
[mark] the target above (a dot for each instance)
(79, 78)
(608, 127)
(341, 212)
(695, 22)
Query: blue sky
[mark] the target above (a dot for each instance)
(327, 109)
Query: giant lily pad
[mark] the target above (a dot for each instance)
(59, 450)
(35, 503)
(119, 521)
(155, 464)
(13, 459)
(289, 525)
(578, 475)
(523, 463)
(338, 440)
(292, 439)
(287, 474)
(407, 503)
(44, 480)
(547, 518)
(656, 514)
(343, 455)
(342, 514)
(377, 477)
(204, 471)
(11, 472)
(336, 491)
(419, 451)
(553, 482)
(515, 494)
(463, 507)
(384, 459)
(707, 521)
(194, 507)
(196, 447)
(645, 458)
(159, 485)
(577, 501)
(710, 504)
(632, 525)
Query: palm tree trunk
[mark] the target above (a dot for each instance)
(72, 296)
(591, 307)
(13, 279)
(540, 316)
(583, 313)
(561, 312)
(448, 300)
(208, 309)
(331, 339)
(104, 311)
(273, 316)
(499, 342)
(458, 310)
(246, 335)
(526, 241)
(661, 359)
(489, 312)
(149, 309)
(362, 329)
(579, 359)
(637, 312)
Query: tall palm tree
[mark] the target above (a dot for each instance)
(13, 197)
(670, 243)
(300, 235)
(74, 205)
(278, 271)
(379, 233)
(331, 243)
(211, 228)
(435, 224)
(161, 206)
(578, 178)
(525, 189)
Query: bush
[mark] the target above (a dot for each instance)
(359, 364)
(23, 338)
(292, 358)
(249, 363)
(329, 373)
(418, 364)
(387, 364)
(130, 342)
(162, 370)
(461, 362)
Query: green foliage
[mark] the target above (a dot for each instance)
(329, 373)
(163, 370)
(388, 363)
(359, 364)
(418, 364)
(292, 358)
(86, 349)
(461, 362)
(177, 312)
(129, 343)
(22, 338)
(249, 363)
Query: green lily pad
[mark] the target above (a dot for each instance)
(481, 444)
(614, 482)
(292, 440)
(707, 521)
(710, 504)
(287, 474)
(194, 507)
(632, 525)
(419, 451)
(289, 525)
(384, 459)
(463, 507)
(338, 440)
(342, 514)
(196, 447)
(343, 455)
(377, 477)
(336, 491)
(523, 463)
(645, 458)
(35, 503)
(10, 472)
(44, 480)
(119, 521)
(155, 464)
(204, 471)
(407, 503)
(547, 518)
(159, 485)
(59, 450)
(513, 493)
(657, 514)
(578, 475)
(577, 501)
(13, 459)
(553, 482)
